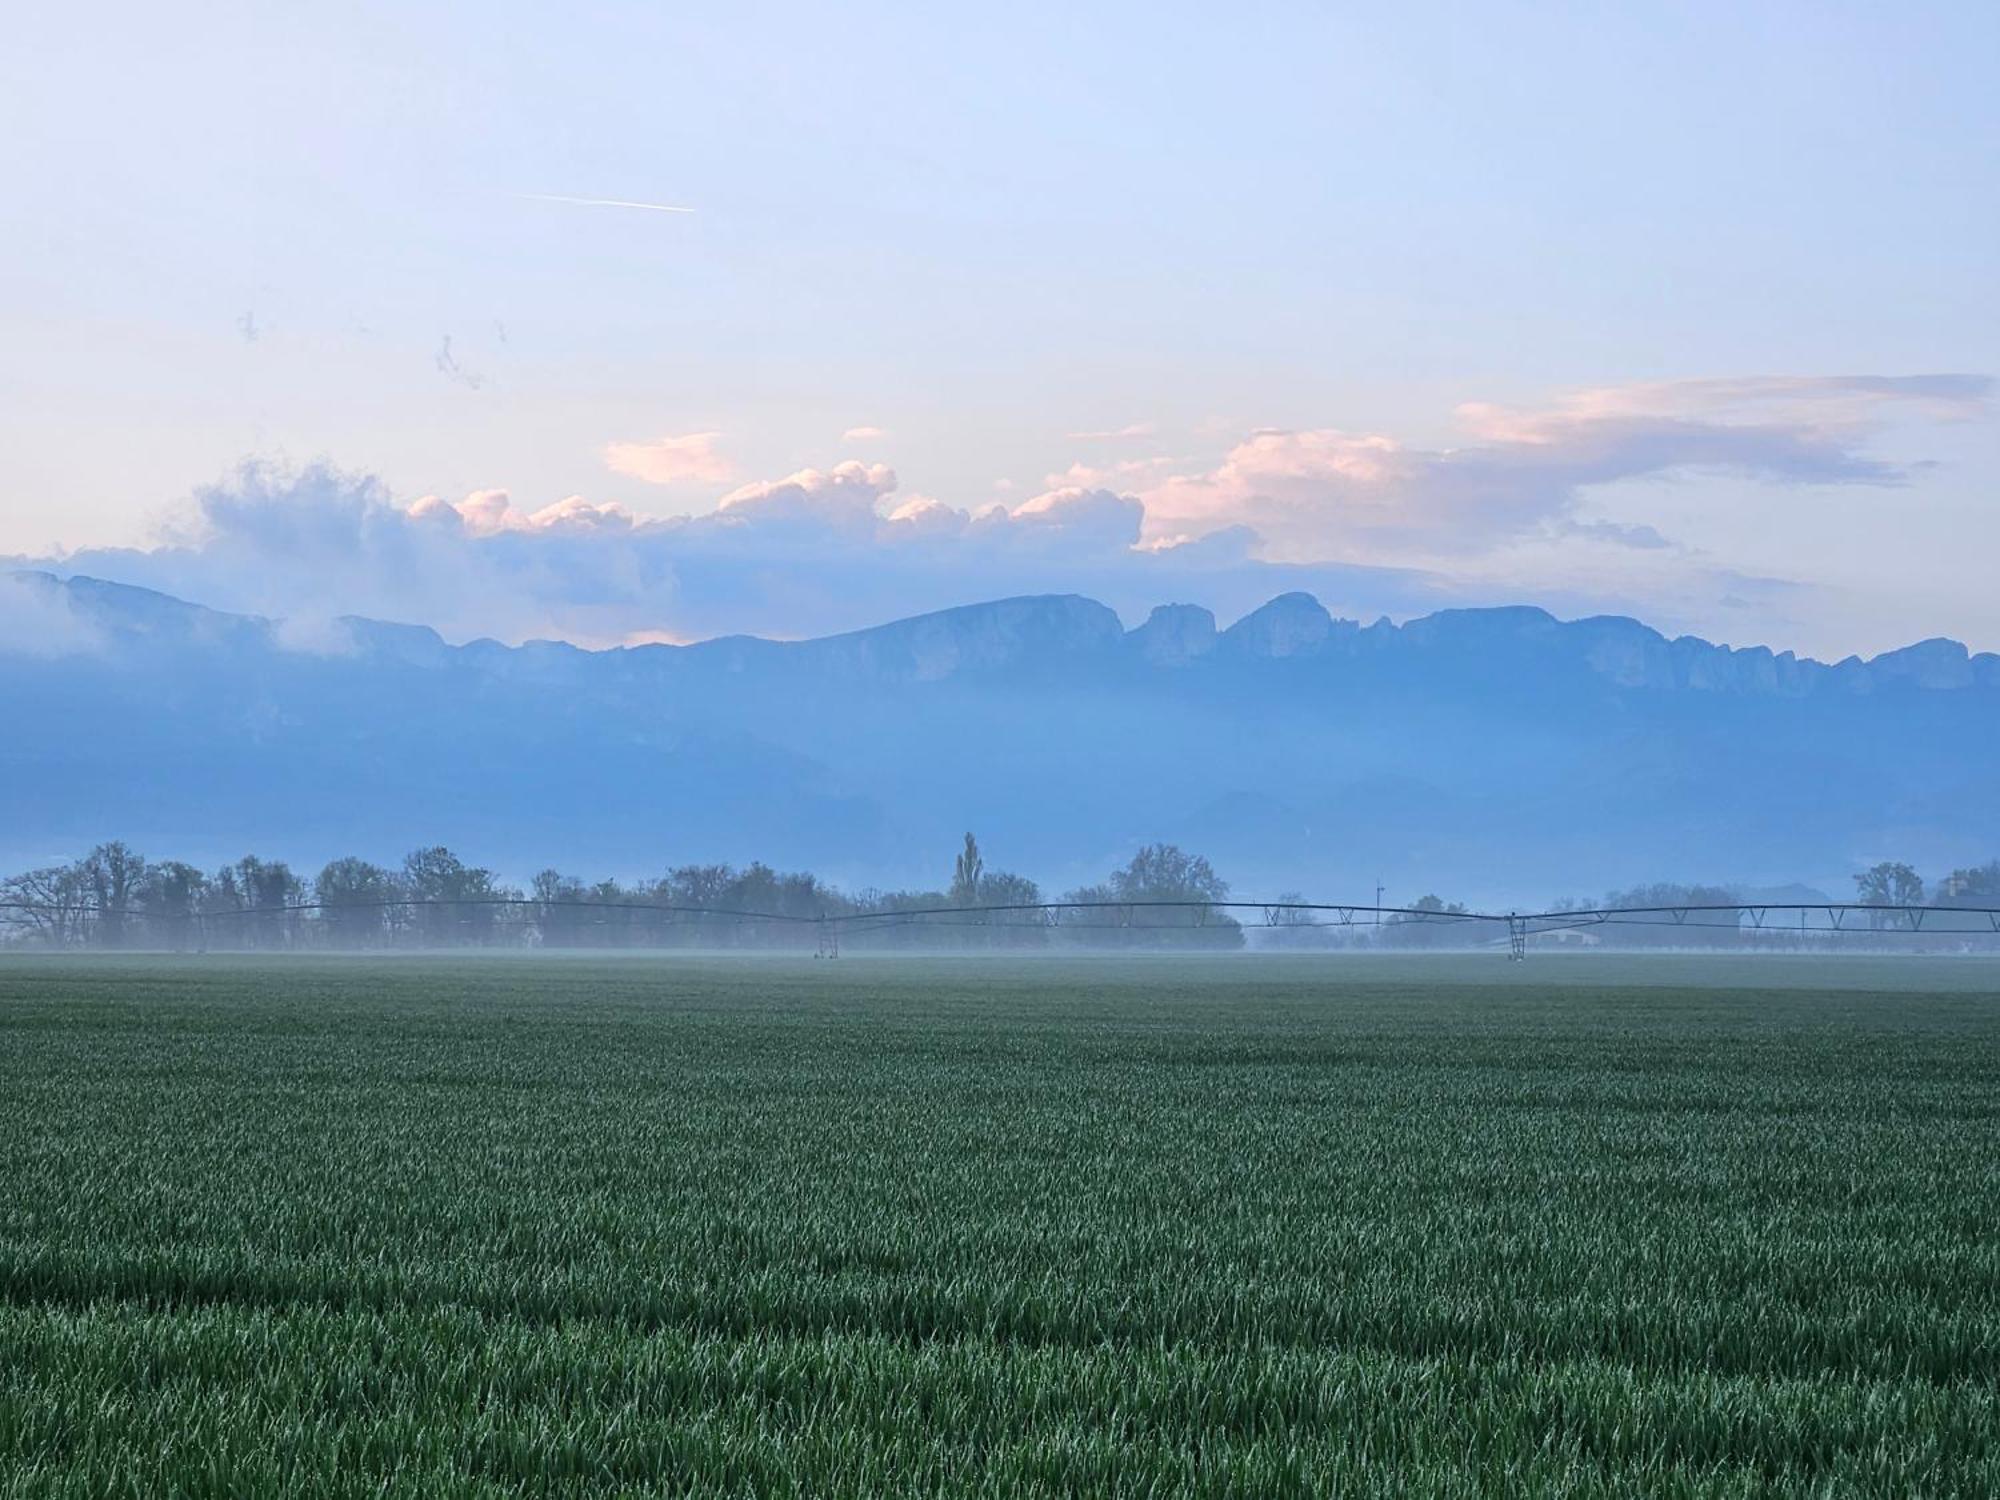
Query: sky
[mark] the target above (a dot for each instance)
(641, 322)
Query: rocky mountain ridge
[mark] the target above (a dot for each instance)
(1041, 629)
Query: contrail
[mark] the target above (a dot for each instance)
(658, 208)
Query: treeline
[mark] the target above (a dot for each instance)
(1902, 909)
(115, 897)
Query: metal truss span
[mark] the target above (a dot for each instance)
(1812, 919)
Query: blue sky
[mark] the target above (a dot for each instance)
(1410, 305)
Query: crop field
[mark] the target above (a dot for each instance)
(764, 1226)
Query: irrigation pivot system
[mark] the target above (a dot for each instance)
(1815, 919)
(1846, 918)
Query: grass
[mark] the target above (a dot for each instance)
(1250, 1227)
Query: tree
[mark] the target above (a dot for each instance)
(1684, 923)
(354, 898)
(1002, 888)
(171, 897)
(1977, 886)
(559, 916)
(113, 873)
(1166, 873)
(1890, 883)
(269, 894)
(453, 899)
(1289, 910)
(965, 873)
(700, 885)
(52, 902)
(1291, 922)
(222, 901)
(1431, 923)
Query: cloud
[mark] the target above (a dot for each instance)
(1323, 492)
(313, 635)
(658, 208)
(1808, 400)
(486, 513)
(1114, 434)
(1371, 524)
(38, 618)
(862, 434)
(1618, 533)
(1095, 518)
(690, 459)
(1129, 473)
(845, 495)
(813, 551)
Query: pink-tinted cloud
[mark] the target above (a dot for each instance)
(689, 459)
(1813, 402)
(1114, 434)
(1325, 493)
(491, 512)
(1127, 473)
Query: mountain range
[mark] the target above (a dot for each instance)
(1498, 754)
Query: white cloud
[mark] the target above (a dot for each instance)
(862, 434)
(313, 635)
(689, 459)
(1098, 516)
(658, 208)
(846, 494)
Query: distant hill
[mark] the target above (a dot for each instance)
(1498, 753)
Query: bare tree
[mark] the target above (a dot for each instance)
(559, 919)
(269, 893)
(113, 872)
(51, 903)
(171, 898)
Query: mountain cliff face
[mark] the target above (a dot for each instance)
(1499, 753)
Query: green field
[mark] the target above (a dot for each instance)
(1427, 1226)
